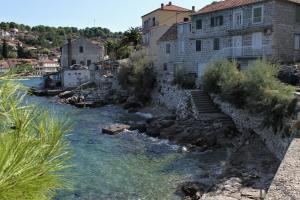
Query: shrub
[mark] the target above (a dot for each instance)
(32, 148)
(256, 89)
(138, 77)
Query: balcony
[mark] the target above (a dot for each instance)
(243, 52)
(248, 26)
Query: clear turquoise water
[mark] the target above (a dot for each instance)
(126, 166)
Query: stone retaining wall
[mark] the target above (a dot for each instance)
(245, 121)
(174, 98)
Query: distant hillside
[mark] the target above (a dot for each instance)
(52, 37)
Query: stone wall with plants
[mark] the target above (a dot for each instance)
(245, 122)
(173, 96)
(256, 100)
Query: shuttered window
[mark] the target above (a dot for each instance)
(297, 42)
(298, 14)
(168, 48)
(257, 40)
(217, 44)
(198, 45)
(199, 24)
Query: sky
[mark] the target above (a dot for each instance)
(117, 15)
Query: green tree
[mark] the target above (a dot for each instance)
(132, 36)
(32, 148)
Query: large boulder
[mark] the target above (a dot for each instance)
(193, 190)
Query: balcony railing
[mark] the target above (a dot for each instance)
(243, 52)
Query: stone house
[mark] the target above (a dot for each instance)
(158, 21)
(75, 76)
(82, 52)
(76, 58)
(240, 30)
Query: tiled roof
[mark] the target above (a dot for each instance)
(171, 34)
(175, 8)
(170, 8)
(226, 4)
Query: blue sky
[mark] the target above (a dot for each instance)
(117, 15)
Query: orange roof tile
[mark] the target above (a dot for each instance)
(226, 4)
(170, 7)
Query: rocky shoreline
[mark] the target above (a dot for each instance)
(247, 174)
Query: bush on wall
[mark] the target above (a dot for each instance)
(256, 89)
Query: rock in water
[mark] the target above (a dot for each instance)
(115, 129)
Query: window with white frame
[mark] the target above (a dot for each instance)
(257, 14)
(238, 18)
(297, 42)
(181, 46)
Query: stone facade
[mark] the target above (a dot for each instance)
(235, 34)
(75, 77)
(157, 22)
(83, 52)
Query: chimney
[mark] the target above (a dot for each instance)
(193, 8)
(170, 3)
(69, 52)
(162, 6)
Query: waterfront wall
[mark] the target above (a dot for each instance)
(174, 98)
(246, 121)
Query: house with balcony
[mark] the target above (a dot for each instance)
(243, 31)
(157, 22)
(232, 29)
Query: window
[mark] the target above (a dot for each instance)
(238, 18)
(198, 45)
(199, 24)
(89, 62)
(257, 14)
(73, 62)
(257, 40)
(180, 27)
(217, 21)
(168, 48)
(153, 21)
(298, 14)
(217, 44)
(182, 46)
(81, 49)
(82, 63)
(165, 67)
(297, 42)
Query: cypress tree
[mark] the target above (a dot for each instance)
(4, 49)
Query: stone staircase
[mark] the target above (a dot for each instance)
(203, 102)
(206, 108)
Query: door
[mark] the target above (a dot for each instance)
(237, 19)
(200, 69)
(237, 44)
